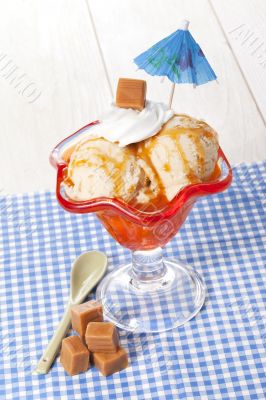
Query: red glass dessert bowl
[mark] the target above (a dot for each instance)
(132, 227)
(140, 287)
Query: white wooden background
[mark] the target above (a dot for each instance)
(70, 53)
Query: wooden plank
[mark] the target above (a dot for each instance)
(243, 23)
(124, 30)
(127, 28)
(53, 44)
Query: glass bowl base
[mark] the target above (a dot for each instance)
(152, 305)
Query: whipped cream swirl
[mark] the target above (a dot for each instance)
(126, 126)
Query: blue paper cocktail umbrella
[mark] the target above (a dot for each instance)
(179, 57)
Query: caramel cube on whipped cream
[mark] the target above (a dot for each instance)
(131, 93)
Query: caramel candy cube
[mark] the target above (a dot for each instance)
(75, 357)
(82, 314)
(108, 364)
(131, 93)
(102, 337)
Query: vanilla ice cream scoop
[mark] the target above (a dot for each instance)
(98, 168)
(185, 151)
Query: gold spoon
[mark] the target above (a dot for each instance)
(87, 270)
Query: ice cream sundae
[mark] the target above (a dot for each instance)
(141, 168)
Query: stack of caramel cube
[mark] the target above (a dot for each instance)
(98, 342)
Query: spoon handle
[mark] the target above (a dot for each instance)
(53, 347)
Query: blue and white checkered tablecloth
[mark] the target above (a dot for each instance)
(220, 354)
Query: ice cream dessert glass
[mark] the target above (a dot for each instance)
(150, 293)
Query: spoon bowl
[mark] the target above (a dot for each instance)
(87, 270)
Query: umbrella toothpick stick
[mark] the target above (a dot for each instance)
(172, 92)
